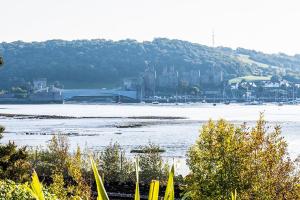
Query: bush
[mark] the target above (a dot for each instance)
(114, 165)
(151, 164)
(10, 190)
(13, 191)
(253, 161)
(14, 162)
(62, 171)
(2, 129)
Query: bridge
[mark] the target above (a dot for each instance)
(100, 95)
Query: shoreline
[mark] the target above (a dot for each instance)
(28, 116)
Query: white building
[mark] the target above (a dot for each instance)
(39, 84)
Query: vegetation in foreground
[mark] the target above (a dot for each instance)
(226, 162)
(252, 161)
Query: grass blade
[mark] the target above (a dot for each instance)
(102, 195)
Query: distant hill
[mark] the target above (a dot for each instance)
(105, 63)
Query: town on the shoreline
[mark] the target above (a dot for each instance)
(168, 86)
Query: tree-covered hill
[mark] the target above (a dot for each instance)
(104, 63)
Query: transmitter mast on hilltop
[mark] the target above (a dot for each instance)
(213, 38)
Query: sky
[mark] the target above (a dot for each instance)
(270, 26)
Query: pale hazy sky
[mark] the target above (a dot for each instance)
(267, 25)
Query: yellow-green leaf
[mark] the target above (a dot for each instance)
(137, 188)
(102, 195)
(36, 187)
(154, 190)
(233, 195)
(169, 194)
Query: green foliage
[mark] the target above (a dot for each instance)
(80, 186)
(151, 164)
(14, 163)
(53, 160)
(104, 62)
(252, 161)
(114, 164)
(2, 129)
(58, 186)
(58, 149)
(10, 190)
(19, 92)
(62, 170)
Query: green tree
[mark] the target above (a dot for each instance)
(62, 171)
(252, 161)
(151, 164)
(80, 187)
(52, 160)
(2, 129)
(195, 90)
(114, 164)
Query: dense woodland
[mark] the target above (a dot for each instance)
(104, 63)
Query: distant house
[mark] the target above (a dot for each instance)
(271, 85)
(44, 93)
(40, 84)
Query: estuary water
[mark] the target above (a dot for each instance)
(174, 127)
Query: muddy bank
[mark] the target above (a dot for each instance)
(65, 134)
(140, 124)
(24, 116)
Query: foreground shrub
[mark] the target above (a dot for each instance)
(61, 170)
(14, 161)
(253, 161)
(10, 190)
(114, 165)
(2, 129)
(13, 191)
(151, 164)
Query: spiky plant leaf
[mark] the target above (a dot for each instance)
(169, 194)
(137, 188)
(36, 188)
(154, 190)
(102, 195)
(233, 195)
